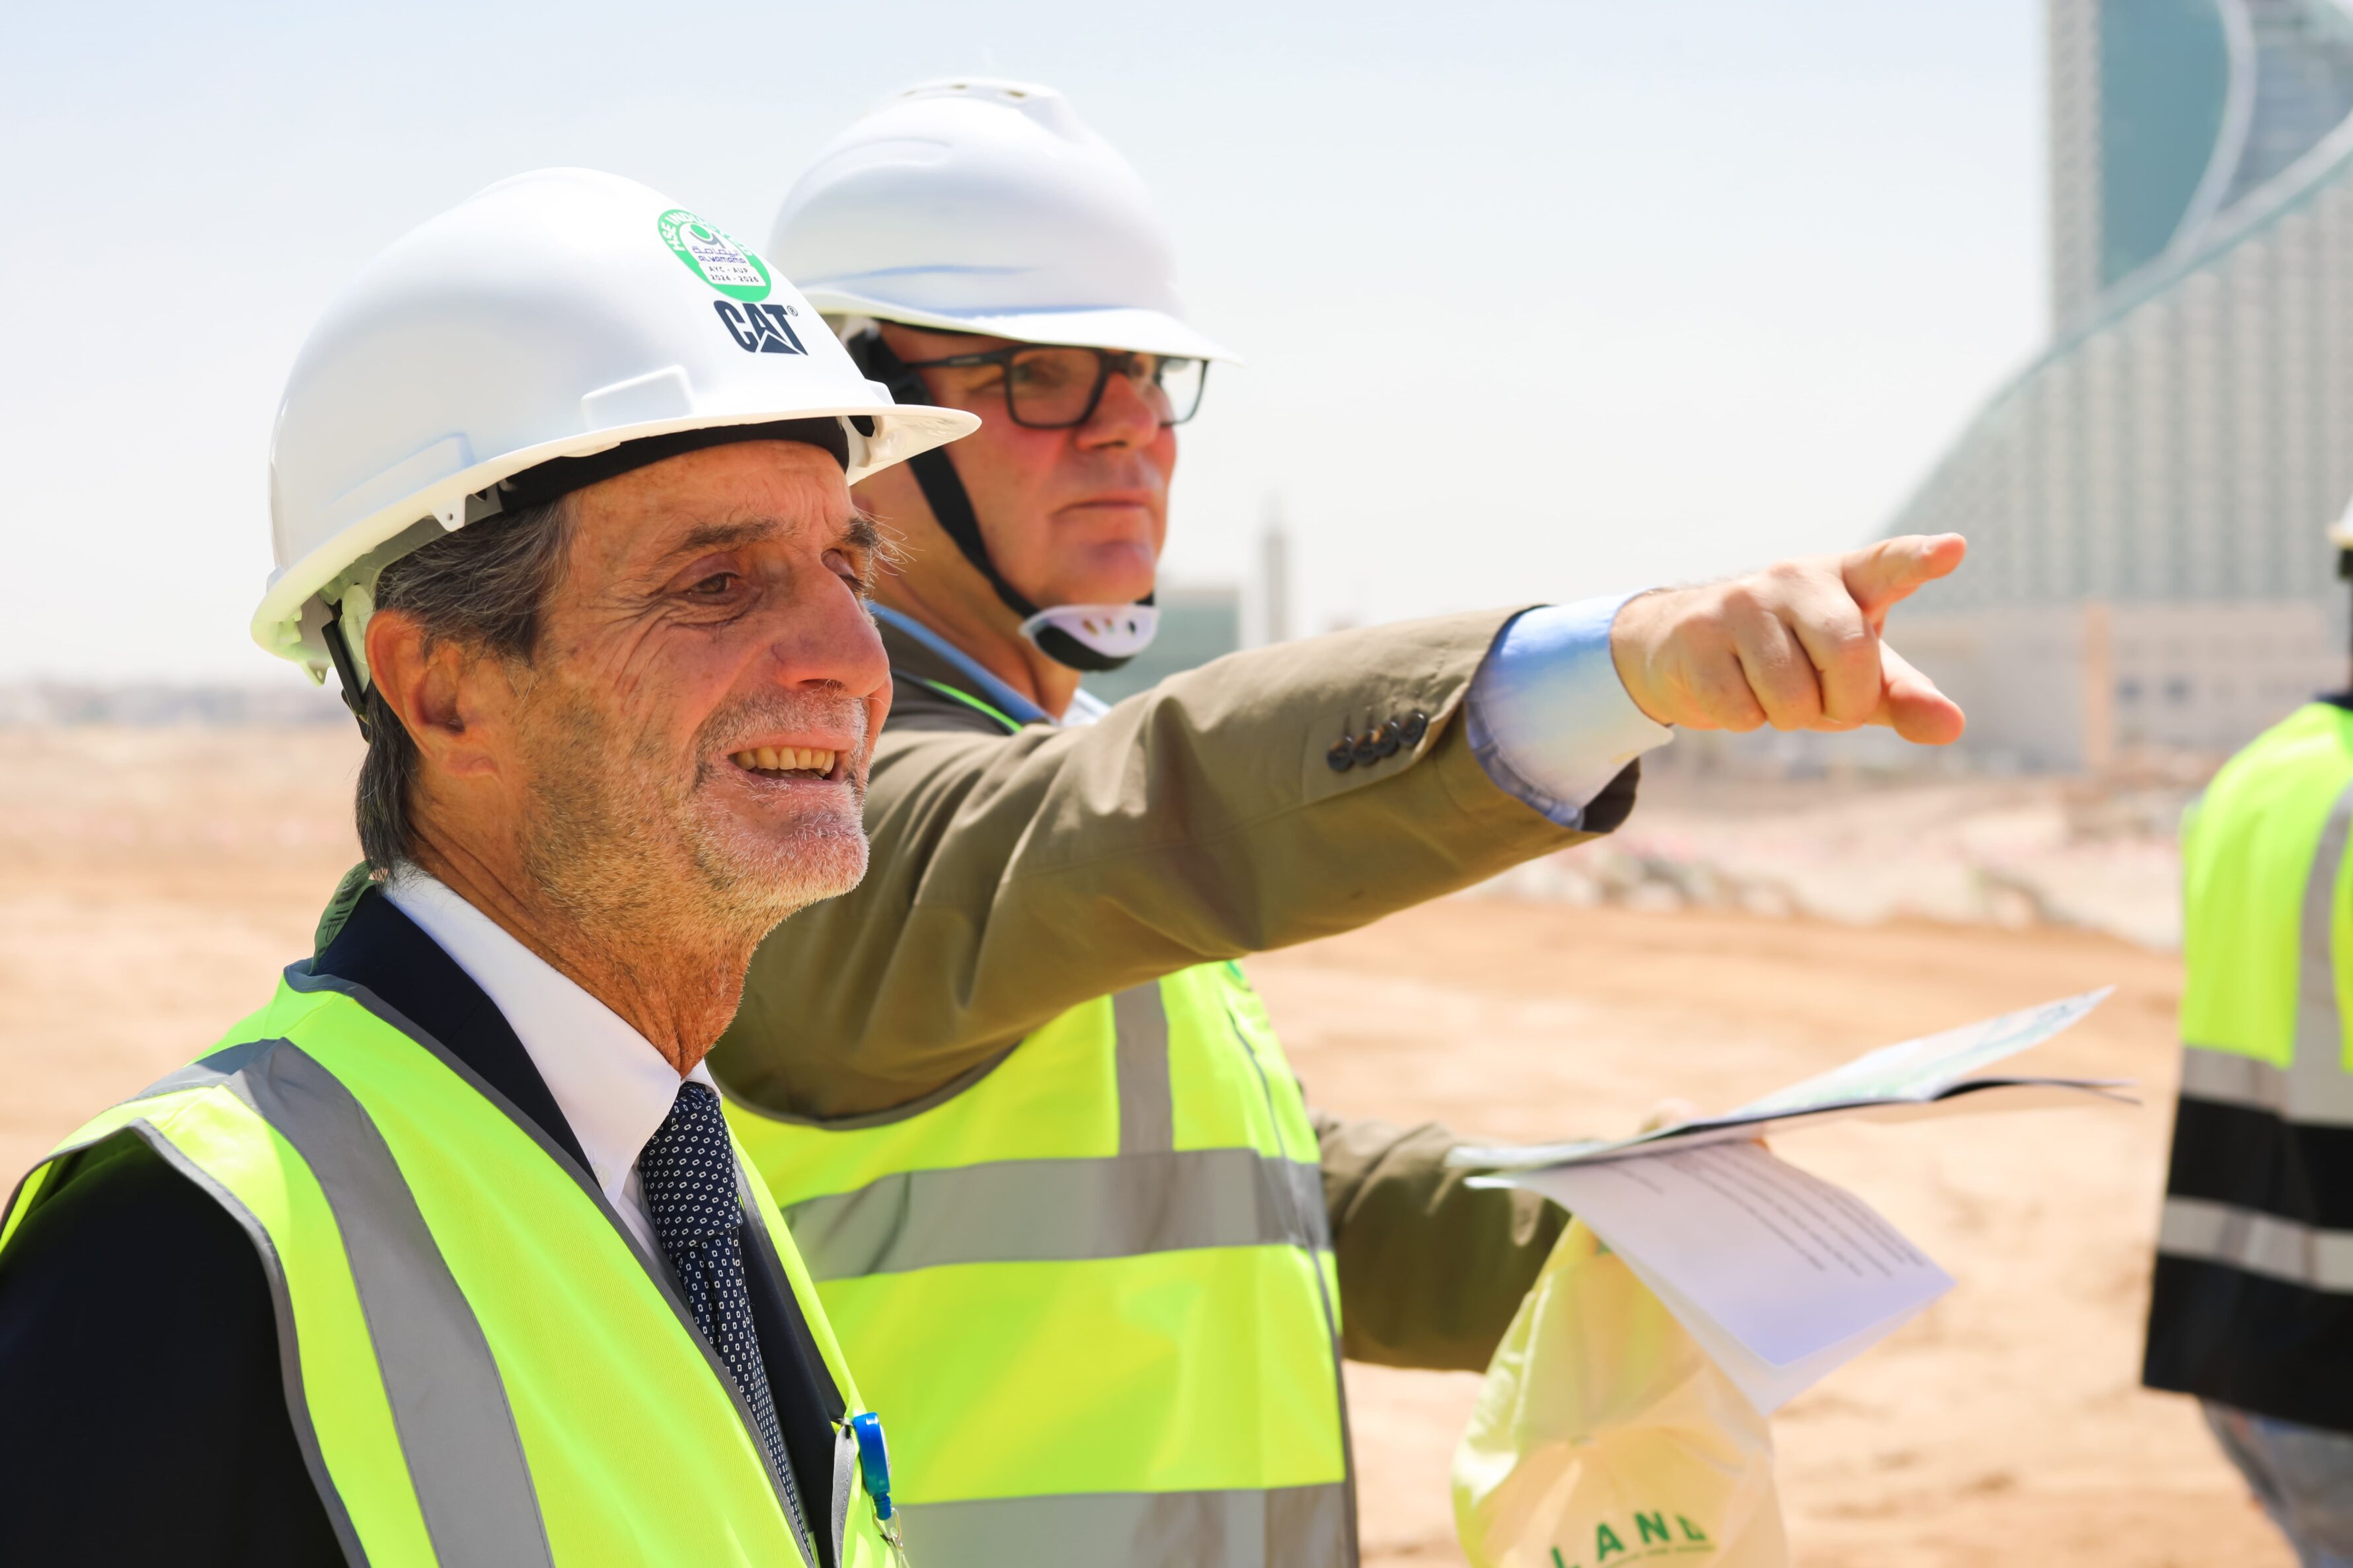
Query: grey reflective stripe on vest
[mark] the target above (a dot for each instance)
(2310, 1093)
(1149, 1197)
(1148, 1109)
(2258, 1243)
(449, 1406)
(1282, 1527)
(1059, 1211)
(206, 1073)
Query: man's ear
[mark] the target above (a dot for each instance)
(446, 695)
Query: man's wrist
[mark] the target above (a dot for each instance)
(1628, 647)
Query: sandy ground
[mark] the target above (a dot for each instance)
(2012, 852)
(152, 884)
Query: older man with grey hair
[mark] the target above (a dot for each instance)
(445, 1254)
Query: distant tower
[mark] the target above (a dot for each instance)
(2164, 113)
(2144, 500)
(2072, 44)
(1275, 576)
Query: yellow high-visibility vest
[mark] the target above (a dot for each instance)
(1094, 1290)
(487, 1370)
(2253, 1299)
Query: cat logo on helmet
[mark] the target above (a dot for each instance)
(760, 329)
(422, 389)
(713, 256)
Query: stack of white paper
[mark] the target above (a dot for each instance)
(1780, 1276)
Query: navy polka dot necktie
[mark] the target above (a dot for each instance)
(687, 1170)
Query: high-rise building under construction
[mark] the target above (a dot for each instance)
(2144, 502)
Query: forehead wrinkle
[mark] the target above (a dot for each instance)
(728, 534)
(856, 529)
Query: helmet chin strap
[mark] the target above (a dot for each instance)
(1092, 637)
(1108, 635)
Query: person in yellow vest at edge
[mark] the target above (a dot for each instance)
(443, 1255)
(1031, 1128)
(2252, 1302)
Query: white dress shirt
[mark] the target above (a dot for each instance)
(614, 1090)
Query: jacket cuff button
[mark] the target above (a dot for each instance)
(1416, 725)
(1385, 740)
(1343, 754)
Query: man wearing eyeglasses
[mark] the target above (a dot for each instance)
(1033, 1128)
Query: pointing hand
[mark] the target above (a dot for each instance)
(1796, 646)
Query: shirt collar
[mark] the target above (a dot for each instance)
(612, 1086)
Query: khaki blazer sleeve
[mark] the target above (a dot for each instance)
(1014, 877)
(1432, 1270)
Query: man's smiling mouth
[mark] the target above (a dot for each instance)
(786, 762)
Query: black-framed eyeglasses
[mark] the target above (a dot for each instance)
(1051, 387)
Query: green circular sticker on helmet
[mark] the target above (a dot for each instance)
(713, 256)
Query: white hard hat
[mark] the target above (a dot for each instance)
(554, 315)
(2340, 532)
(986, 207)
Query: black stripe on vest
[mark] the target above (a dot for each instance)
(2243, 1338)
(2255, 1159)
(2259, 1343)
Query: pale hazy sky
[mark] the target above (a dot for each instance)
(1539, 300)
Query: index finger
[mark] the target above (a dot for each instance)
(1845, 648)
(1911, 705)
(1884, 574)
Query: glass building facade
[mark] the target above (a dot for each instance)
(2146, 502)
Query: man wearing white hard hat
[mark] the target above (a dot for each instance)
(1025, 1114)
(444, 1253)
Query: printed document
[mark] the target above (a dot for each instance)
(1780, 1276)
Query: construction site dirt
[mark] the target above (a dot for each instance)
(153, 882)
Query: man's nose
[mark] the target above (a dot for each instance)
(826, 637)
(1125, 416)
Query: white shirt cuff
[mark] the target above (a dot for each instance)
(1549, 720)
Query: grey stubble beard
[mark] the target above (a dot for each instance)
(604, 847)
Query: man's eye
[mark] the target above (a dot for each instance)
(714, 587)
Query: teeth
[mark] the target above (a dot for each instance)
(786, 759)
